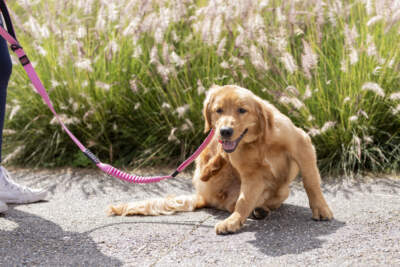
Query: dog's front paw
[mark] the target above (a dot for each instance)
(321, 213)
(228, 226)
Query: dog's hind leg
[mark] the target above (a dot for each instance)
(158, 206)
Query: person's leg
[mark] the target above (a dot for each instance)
(5, 73)
(10, 192)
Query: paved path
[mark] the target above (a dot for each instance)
(71, 228)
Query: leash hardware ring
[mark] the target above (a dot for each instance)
(91, 156)
(15, 47)
(24, 60)
(175, 173)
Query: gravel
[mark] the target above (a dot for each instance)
(72, 229)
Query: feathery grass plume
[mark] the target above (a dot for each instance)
(395, 110)
(362, 113)
(374, 20)
(9, 132)
(81, 32)
(371, 48)
(357, 146)
(172, 137)
(368, 6)
(221, 47)
(373, 87)
(154, 55)
(225, 65)
(314, 132)
(350, 35)
(13, 154)
(292, 90)
(88, 114)
(346, 99)
(165, 105)
(159, 35)
(353, 118)
(176, 59)
(137, 52)
(84, 64)
(182, 110)
(343, 65)
(112, 11)
(187, 126)
(133, 86)
(65, 119)
(41, 50)
(164, 72)
(165, 54)
(368, 139)
(327, 126)
(308, 58)
(295, 102)
(132, 27)
(40, 32)
(240, 39)
(395, 96)
(238, 61)
(216, 29)
(353, 55)
(103, 85)
(257, 59)
(289, 63)
(14, 111)
(111, 48)
(307, 93)
(200, 87)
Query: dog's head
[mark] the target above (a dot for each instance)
(237, 115)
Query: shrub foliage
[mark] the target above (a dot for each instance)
(128, 77)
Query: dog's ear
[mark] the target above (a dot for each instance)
(266, 117)
(207, 108)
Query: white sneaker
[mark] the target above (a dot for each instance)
(11, 192)
(3, 207)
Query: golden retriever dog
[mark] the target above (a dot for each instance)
(247, 167)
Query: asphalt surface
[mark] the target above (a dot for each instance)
(72, 229)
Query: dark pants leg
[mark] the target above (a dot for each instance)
(5, 73)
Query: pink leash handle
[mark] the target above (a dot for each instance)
(104, 167)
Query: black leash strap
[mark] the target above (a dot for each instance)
(7, 19)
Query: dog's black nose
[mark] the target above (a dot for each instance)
(226, 132)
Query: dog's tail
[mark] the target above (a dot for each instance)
(158, 206)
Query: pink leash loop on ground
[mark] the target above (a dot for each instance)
(104, 167)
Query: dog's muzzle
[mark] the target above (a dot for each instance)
(230, 146)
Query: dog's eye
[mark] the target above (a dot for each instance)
(242, 110)
(219, 110)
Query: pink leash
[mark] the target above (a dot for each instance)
(110, 170)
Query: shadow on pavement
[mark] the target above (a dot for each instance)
(290, 230)
(37, 241)
(95, 183)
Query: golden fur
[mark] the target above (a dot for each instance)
(256, 174)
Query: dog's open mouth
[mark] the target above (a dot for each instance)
(230, 146)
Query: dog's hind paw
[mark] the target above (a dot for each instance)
(259, 214)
